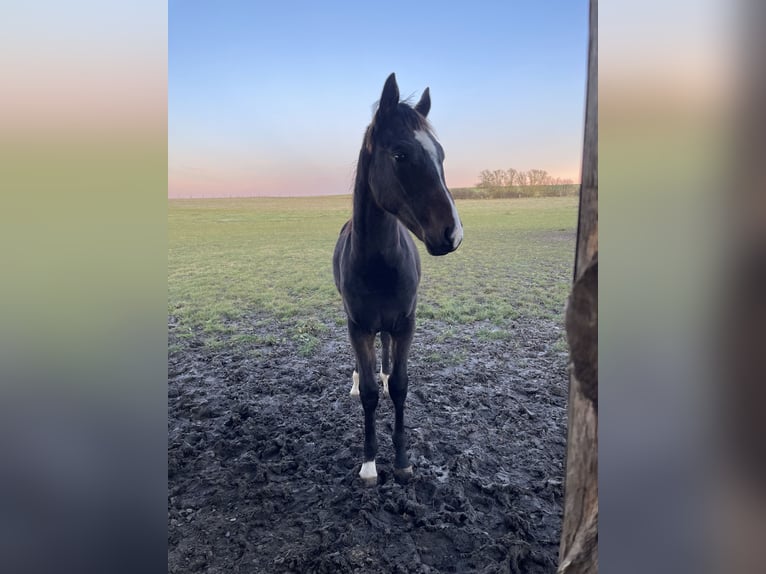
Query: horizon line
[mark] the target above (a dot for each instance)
(297, 195)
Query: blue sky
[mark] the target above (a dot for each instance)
(273, 98)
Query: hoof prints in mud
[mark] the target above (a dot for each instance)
(264, 452)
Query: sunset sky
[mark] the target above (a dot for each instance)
(272, 98)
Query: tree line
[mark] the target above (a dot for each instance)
(516, 183)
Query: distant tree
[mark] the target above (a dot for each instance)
(485, 179)
(500, 178)
(538, 177)
(515, 183)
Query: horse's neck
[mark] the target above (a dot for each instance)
(374, 229)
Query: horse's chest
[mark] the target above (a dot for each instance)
(377, 294)
(386, 280)
(381, 279)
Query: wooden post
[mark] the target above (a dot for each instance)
(578, 551)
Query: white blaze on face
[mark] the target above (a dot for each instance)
(427, 141)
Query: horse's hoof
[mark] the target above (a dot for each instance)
(403, 475)
(370, 481)
(369, 474)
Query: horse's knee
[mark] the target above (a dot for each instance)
(368, 392)
(397, 388)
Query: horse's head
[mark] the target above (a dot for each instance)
(406, 176)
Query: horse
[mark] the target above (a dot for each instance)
(399, 186)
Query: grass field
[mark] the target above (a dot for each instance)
(269, 259)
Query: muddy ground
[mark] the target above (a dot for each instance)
(265, 445)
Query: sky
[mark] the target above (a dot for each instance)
(272, 98)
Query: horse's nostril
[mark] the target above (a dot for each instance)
(448, 234)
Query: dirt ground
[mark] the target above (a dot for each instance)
(265, 446)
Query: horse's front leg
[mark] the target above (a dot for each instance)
(363, 343)
(397, 387)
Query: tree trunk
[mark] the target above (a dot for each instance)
(578, 551)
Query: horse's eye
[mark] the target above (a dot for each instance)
(399, 156)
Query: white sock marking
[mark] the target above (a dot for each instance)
(384, 378)
(355, 386)
(368, 470)
(427, 139)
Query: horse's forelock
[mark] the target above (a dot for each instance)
(405, 113)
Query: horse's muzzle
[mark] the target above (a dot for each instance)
(449, 242)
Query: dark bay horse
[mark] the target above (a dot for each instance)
(399, 186)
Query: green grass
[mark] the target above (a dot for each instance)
(515, 260)
(271, 258)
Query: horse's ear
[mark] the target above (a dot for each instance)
(424, 105)
(389, 99)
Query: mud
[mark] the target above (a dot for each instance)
(265, 446)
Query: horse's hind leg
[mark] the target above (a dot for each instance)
(397, 386)
(355, 382)
(385, 362)
(364, 347)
